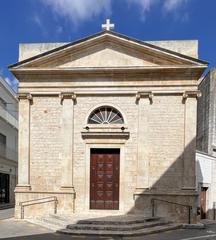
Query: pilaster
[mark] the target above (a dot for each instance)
(67, 101)
(25, 101)
(190, 124)
(144, 100)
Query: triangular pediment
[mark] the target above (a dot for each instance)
(107, 49)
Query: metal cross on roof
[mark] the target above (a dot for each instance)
(108, 26)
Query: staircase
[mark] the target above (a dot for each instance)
(125, 225)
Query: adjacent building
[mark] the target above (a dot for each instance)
(107, 125)
(206, 145)
(8, 142)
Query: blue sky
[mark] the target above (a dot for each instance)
(29, 21)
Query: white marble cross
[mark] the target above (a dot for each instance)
(108, 26)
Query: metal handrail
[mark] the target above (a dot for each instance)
(174, 203)
(42, 200)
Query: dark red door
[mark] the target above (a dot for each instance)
(104, 178)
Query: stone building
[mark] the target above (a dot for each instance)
(8, 143)
(107, 123)
(205, 171)
(206, 145)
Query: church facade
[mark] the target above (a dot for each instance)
(107, 125)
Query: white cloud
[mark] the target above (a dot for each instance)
(144, 4)
(78, 10)
(171, 5)
(39, 22)
(167, 6)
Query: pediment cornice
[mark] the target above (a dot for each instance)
(127, 72)
(108, 38)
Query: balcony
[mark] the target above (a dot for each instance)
(8, 153)
(4, 114)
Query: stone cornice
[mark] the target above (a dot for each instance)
(23, 96)
(140, 95)
(191, 94)
(164, 68)
(67, 95)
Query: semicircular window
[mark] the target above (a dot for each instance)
(105, 115)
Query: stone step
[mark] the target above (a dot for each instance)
(46, 225)
(61, 217)
(50, 222)
(57, 222)
(116, 227)
(145, 231)
(123, 220)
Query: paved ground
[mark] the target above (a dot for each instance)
(21, 230)
(205, 234)
(26, 231)
(6, 213)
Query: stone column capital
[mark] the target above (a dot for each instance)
(67, 95)
(25, 96)
(140, 95)
(191, 94)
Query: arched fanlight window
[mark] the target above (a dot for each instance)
(105, 115)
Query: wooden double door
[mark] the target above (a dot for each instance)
(104, 179)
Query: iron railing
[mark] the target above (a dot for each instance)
(174, 203)
(38, 201)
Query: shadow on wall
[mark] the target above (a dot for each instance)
(172, 200)
(166, 196)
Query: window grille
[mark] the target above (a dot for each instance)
(105, 115)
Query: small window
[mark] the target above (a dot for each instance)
(3, 103)
(2, 139)
(105, 115)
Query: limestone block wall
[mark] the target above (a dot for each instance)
(213, 112)
(164, 141)
(45, 144)
(203, 116)
(206, 130)
(129, 109)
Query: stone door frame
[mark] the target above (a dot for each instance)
(121, 179)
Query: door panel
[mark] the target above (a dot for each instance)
(104, 178)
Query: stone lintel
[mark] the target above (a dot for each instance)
(103, 135)
(191, 94)
(67, 95)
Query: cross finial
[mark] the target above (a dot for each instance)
(108, 26)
